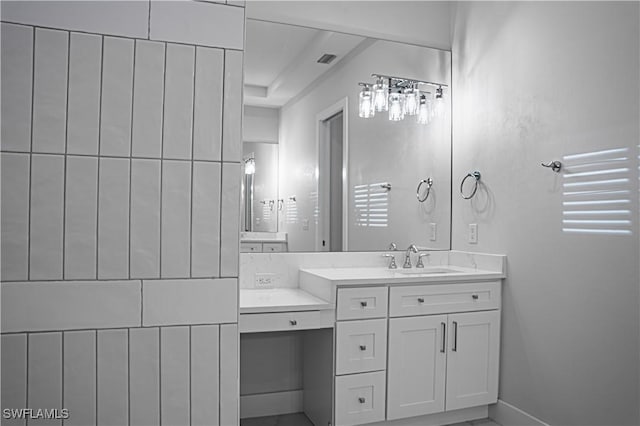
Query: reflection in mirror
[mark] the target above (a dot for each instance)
(343, 182)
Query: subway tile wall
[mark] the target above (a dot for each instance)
(120, 188)
(119, 160)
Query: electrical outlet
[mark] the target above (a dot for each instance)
(305, 224)
(473, 233)
(264, 280)
(433, 232)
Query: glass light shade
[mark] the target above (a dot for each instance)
(365, 106)
(250, 166)
(439, 108)
(396, 106)
(424, 112)
(411, 100)
(381, 95)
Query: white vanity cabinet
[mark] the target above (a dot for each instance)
(447, 361)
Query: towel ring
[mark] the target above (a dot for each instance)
(429, 182)
(476, 176)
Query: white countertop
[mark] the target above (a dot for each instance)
(372, 275)
(279, 300)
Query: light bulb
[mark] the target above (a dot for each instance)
(439, 109)
(381, 93)
(396, 105)
(424, 113)
(365, 107)
(411, 99)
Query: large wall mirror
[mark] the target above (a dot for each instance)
(318, 176)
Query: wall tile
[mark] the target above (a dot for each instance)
(207, 119)
(17, 69)
(230, 218)
(45, 374)
(14, 212)
(14, 374)
(205, 234)
(129, 19)
(176, 219)
(117, 84)
(80, 377)
(145, 219)
(113, 377)
(229, 374)
(47, 200)
(191, 301)
(205, 375)
(65, 305)
(113, 218)
(85, 60)
(144, 378)
(232, 115)
(81, 218)
(200, 23)
(50, 91)
(178, 104)
(148, 99)
(174, 375)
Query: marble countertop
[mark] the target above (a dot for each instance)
(279, 300)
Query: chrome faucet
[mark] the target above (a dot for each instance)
(420, 264)
(407, 257)
(392, 262)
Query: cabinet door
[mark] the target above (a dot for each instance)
(473, 357)
(361, 346)
(417, 360)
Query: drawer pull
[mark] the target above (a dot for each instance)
(293, 322)
(363, 304)
(421, 299)
(474, 296)
(455, 337)
(363, 347)
(444, 339)
(361, 400)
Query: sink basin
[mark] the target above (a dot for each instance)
(425, 271)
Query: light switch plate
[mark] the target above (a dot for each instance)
(473, 233)
(434, 229)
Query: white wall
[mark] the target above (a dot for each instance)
(120, 211)
(260, 124)
(400, 153)
(536, 82)
(424, 23)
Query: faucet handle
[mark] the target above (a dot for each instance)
(420, 256)
(393, 246)
(392, 262)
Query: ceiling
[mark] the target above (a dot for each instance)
(281, 60)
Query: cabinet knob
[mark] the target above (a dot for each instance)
(363, 347)
(421, 299)
(293, 322)
(474, 296)
(361, 400)
(363, 304)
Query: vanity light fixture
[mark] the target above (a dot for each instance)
(401, 97)
(250, 166)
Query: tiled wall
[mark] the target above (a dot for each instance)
(120, 164)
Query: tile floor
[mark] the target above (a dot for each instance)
(299, 419)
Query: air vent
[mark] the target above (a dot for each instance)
(327, 58)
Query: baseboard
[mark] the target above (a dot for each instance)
(508, 415)
(271, 404)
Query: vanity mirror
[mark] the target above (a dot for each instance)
(318, 173)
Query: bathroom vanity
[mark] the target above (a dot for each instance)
(395, 347)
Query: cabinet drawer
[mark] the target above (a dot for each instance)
(250, 247)
(361, 346)
(360, 398)
(443, 298)
(361, 303)
(285, 321)
(272, 247)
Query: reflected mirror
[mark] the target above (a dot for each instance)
(321, 177)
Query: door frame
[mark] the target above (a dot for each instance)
(322, 179)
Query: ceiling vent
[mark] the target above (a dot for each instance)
(327, 58)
